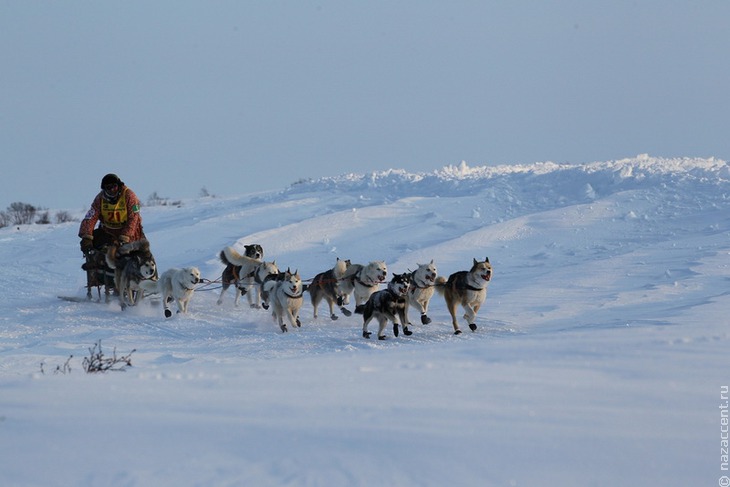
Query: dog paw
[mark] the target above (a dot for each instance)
(168, 313)
(299, 323)
(265, 306)
(346, 311)
(382, 337)
(406, 331)
(472, 327)
(333, 317)
(366, 334)
(284, 329)
(395, 330)
(457, 332)
(425, 320)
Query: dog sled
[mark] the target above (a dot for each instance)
(98, 275)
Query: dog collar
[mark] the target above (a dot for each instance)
(294, 296)
(425, 286)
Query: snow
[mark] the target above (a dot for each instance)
(599, 358)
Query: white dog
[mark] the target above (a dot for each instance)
(363, 280)
(285, 297)
(420, 291)
(175, 284)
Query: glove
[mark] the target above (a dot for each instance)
(87, 243)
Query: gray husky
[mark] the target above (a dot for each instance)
(132, 263)
(326, 286)
(285, 296)
(388, 304)
(468, 289)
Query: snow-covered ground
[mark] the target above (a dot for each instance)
(600, 357)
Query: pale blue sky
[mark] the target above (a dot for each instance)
(241, 96)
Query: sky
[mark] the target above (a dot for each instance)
(234, 97)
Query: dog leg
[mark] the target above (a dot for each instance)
(366, 321)
(405, 323)
(223, 291)
(383, 322)
(471, 316)
(331, 304)
(451, 306)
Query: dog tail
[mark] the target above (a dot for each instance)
(111, 257)
(440, 284)
(229, 255)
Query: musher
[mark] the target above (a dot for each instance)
(116, 208)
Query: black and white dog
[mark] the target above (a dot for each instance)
(388, 304)
(285, 295)
(239, 269)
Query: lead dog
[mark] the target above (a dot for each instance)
(238, 267)
(362, 281)
(420, 292)
(285, 297)
(326, 285)
(132, 263)
(388, 304)
(468, 289)
(175, 285)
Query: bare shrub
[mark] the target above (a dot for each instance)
(96, 362)
(21, 213)
(63, 216)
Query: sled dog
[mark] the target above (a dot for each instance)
(420, 291)
(388, 304)
(362, 281)
(285, 296)
(259, 275)
(326, 286)
(468, 289)
(238, 268)
(132, 263)
(174, 285)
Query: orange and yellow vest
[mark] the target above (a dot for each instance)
(114, 215)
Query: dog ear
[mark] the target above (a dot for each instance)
(475, 262)
(486, 260)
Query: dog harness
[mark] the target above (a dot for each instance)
(460, 282)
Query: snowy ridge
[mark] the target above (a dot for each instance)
(601, 348)
(462, 178)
